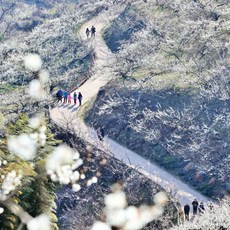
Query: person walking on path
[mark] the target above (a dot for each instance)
(75, 98)
(100, 134)
(65, 95)
(80, 98)
(87, 32)
(201, 208)
(69, 98)
(59, 95)
(195, 205)
(186, 211)
(93, 31)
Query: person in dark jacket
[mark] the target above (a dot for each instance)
(100, 134)
(59, 95)
(80, 98)
(201, 208)
(195, 205)
(186, 211)
(93, 31)
(87, 32)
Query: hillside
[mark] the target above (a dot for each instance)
(46, 30)
(55, 39)
(80, 210)
(170, 99)
(155, 78)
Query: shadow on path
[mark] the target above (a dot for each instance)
(71, 107)
(75, 109)
(65, 106)
(59, 105)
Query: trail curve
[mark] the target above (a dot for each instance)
(68, 117)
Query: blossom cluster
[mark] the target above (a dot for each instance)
(9, 184)
(61, 166)
(41, 222)
(39, 135)
(121, 216)
(36, 90)
(23, 146)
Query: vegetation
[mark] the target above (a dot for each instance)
(139, 190)
(6, 88)
(36, 194)
(167, 99)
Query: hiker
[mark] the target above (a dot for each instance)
(195, 205)
(87, 32)
(210, 205)
(79, 98)
(201, 208)
(69, 98)
(75, 98)
(59, 95)
(100, 134)
(93, 31)
(186, 211)
(65, 95)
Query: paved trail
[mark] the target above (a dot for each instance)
(67, 117)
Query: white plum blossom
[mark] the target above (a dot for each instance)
(116, 200)
(33, 62)
(77, 163)
(35, 122)
(23, 146)
(62, 155)
(160, 198)
(89, 183)
(39, 136)
(142, 216)
(44, 76)
(100, 226)
(10, 182)
(93, 180)
(61, 165)
(116, 217)
(132, 212)
(41, 222)
(36, 90)
(82, 176)
(76, 187)
(1, 210)
(130, 218)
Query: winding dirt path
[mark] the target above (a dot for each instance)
(68, 117)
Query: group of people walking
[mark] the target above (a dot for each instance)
(196, 208)
(92, 32)
(67, 98)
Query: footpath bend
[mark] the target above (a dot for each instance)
(67, 116)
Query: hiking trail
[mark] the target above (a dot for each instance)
(68, 117)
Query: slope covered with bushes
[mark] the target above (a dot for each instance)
(170, 98)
